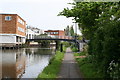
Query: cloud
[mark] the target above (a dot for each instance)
(34, 1)
(39, 13)
(1, 10)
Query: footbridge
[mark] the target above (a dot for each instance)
(58, 38)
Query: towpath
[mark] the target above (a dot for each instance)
(69, 67)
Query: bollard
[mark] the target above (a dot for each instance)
(61, 47)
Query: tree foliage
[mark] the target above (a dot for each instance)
(100, 23)
(44, 43)
(69, 31)
(72, 31)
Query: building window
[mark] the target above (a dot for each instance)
(21, 29)
(29, 36)
(20, 39)
(55, 32)
(48, 32)
(16, 38)
(32, 36)
(52, 32)
(8, 18)
(20, 21)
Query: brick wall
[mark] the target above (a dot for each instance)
(11, 27)
(61, 33)
(8, 27)
(21, 26)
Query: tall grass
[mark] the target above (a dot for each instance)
(87, 67)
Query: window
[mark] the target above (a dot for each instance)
(20, 21)
(48, 32)
(20, 39)
(16, 38)
(21, 29)
(29, 36)
(8, 18)
(51, 32)
(56, 32)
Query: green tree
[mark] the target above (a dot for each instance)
(72, 31)
(84, 14)
(67, 31)
(44, 43)
(99, 22)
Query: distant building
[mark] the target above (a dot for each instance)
(31, 32)
(13, 29)
(55, 33)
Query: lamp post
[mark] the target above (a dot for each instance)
(75, 31)
(76, 41)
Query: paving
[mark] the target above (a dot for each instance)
(69, 67)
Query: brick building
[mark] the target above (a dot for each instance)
(56, 33)
(12, 30)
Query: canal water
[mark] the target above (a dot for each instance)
(25, 62)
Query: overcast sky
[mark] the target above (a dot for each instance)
(39, 13)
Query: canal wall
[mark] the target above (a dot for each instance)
(10, 46)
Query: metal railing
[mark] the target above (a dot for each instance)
(53, 37)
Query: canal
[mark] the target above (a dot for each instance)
(25, 62)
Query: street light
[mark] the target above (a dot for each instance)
(75, 30)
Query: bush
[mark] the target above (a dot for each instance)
(87, 67)
(74, 49)
(66, 44)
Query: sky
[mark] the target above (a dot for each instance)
(39, 13)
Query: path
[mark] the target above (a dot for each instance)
(69, 68)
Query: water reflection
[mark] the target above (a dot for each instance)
(0, 64)
(24, 63)
(13, 63)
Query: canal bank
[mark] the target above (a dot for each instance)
(53, 68)
(67, 67)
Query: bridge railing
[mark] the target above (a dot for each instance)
(53, 37)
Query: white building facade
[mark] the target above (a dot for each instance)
(31, 32)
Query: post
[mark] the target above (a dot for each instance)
(78, 47)
(77, 43)
(61, 47)
(56, 45)
(76, 30)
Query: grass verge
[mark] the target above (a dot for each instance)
(74, 49)
(52, 70)
(64, 49)
(86, 66)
